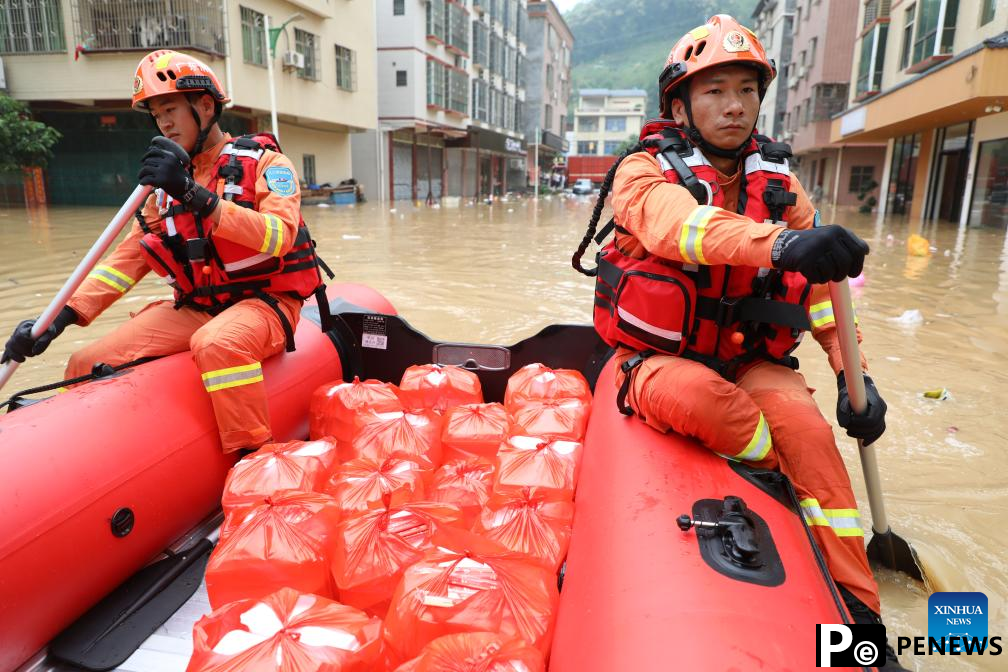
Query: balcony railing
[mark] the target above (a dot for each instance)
(126, 25)
(31, 27)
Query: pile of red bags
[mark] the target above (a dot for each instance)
(419, 529)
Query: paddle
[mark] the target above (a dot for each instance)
(104, 242)
(886, 548)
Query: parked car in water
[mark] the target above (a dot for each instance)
(582, 186)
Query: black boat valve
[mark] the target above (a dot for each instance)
(735, 530)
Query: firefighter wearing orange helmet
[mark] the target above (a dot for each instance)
(717, 266)
(224, 228)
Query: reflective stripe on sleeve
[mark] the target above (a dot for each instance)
(113, 278)
(273, 239)
(232, 377)
(691, 236)
(821, 314)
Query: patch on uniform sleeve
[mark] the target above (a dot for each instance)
(815, 221)
(280, 180)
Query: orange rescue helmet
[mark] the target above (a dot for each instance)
(720, 41)
(164, 71)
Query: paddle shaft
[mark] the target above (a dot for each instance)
(843, 312)
(99, 248)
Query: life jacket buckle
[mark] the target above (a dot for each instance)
(197, 248)
(725, 314)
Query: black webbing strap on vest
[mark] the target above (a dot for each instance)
(725, 312)
(273, 303)
(687, 177)
(627, 368)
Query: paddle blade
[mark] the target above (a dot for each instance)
(893, 552)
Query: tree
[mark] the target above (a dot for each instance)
(625, 145)
(26, 142)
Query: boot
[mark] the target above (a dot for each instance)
(862, 615)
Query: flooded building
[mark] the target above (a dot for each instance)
(772, 23)
(817, 79)
(73, 62)
(607, 118)
(929, 82)
(547, 88)
(450, 101)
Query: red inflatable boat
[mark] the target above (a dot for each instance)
(101, 479)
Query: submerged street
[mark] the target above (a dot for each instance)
(497, 274)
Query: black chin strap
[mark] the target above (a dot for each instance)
(204, 132)
(697, 138)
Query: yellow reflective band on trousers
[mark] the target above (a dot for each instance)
(821, 314)
(691, 236)
(113, 278)
(221, 379)
(759, 445)
(844, 522)
(273, 239)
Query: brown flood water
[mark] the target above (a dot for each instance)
(496, 274)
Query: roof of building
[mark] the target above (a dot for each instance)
(534, 5)
(612, 92)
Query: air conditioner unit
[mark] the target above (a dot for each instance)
(802, 71)
(293, 59)
(792, 81)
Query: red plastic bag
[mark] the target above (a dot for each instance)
(470, 584)
(373, 549)
(553, 418)
(408, 435)
(465, 483)
(476, 652)
(313, 513)
(334, 406)
(438, 388)
(286, 631)
(265, 553)
(537, 382)
(535, 523)
(297, 465)
(474, 430)
(533, 462)
(364, 483)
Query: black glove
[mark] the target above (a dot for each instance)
(867, 427)
(824, 253)
(165, 166)
(21, 344)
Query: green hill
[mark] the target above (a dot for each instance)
(622, 44)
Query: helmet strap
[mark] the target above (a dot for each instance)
(204, 131)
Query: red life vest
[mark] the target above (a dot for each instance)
(211, 273)
(718, 314)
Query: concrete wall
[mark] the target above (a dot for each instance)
(331, 151)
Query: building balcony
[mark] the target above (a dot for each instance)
(131, 25)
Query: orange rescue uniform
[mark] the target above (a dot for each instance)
(769, 410)
(228, 348)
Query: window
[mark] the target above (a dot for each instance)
(31, 27)
(253, 37)
(989, 205)
(346, 68)
(860, 178)
(932, 39)
(871, 60)
(611, 146)
(587, 123)
(480, 100)
(987, 11)
(548, 121)
(458, 91)
(812, 48)
(308, 44)
(435, 84)
(549, 76)
(308, 169)
(908, 31)
(902, 173)
(615, 124)
(797, 21)
(398, 7)
(587, 147)
(400, 78)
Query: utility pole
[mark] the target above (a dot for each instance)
(537, 163)
(271, 35)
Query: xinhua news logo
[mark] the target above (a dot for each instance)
(850, 645)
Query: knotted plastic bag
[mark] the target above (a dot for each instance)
(476, 652)
(286, 631)
(474, 430)
(335, 406)
(465, 483)
(470, 584)
(374, 547)
(265, 553)
(534, 462)
(438, 388)
(298, 465)
(530, 521)
(553, 418)
(364, 483)
(538, 382)
(408, 435)
(314, 513)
